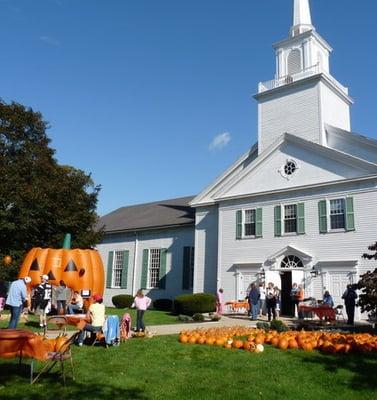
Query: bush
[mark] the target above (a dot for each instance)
(263, 325)
(122, 300)
(278, 325)
(190, 304)
(215, 317)
(198, 317)
(163, 304)
(184, 318)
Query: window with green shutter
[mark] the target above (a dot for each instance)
(259, 222)
(124, 275)
(239, 224)
(322, 215)
(300, 218)
(188, 268)
(144, 270)
(162, 272)
(109, 275)
(350, 214)
(277, 217)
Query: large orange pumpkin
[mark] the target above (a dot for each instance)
(80, 269)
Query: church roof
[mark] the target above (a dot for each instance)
(159, 214)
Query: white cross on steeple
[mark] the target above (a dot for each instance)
(302, 21)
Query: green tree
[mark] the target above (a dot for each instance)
(40, 200)
(368, 285)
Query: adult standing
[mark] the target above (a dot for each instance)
(300, 296)
(16, 298)
(142, 302)
(271, 301)
(254, 297)
(262, 299)
(96, 315)
(294, 299)
(220, 302)
(42, 300)
(62, 295)
(350, 297)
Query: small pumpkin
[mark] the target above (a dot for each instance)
(7, 260)
(80, 269)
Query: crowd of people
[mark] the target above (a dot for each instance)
(266, 301)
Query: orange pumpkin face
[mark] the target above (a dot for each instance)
(79, 269)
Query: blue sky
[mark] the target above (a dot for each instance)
(154, 97)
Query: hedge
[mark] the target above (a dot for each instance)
(122, 300)
(190, 304)
(163, 304)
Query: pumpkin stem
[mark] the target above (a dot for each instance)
(67, 241)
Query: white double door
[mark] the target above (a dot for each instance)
(244, 280)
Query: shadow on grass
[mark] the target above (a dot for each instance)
(15, 385)
(363, 367)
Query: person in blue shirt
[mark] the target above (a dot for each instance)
(327, 299)
(15, 300)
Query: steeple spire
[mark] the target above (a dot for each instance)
(302, 20)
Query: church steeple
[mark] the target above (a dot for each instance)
(303, 96)
(302, 20)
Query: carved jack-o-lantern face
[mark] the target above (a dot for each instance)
(79, 269)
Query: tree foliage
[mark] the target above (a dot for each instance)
(368, 285)
(40, 200)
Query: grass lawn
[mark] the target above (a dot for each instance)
(162, 368)
(151, 317)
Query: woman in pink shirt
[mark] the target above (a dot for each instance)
(141, 303)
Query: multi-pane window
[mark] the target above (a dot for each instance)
(290, 218)
(154, 268)
(118, 268)
(337, 214)
(249, 223)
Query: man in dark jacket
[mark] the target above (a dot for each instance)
(254, 296)
(349, 297)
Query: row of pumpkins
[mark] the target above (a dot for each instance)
(252, 339)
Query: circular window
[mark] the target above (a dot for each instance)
(290, 167)
(291, 262)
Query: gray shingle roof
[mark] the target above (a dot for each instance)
(154, 215)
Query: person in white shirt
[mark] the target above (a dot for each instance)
(262, 299)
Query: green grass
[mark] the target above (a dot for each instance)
(162, 368)
(151, 317)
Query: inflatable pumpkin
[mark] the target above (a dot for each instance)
(80, 269)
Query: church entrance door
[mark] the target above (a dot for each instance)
(286, 307)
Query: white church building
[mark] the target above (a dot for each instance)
(299, 206)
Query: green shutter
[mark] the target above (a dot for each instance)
(277, 214)
(350, 215)
(259, 222)
(239, 224)
(186, 268)
(162, 274)
(124, 279)
(322, 214)
(109, 276)
(300, 218)
(144, 270)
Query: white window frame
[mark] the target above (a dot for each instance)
(329, 228)
(117, 269)
(149, 275)
(283, 232)
(254, 211)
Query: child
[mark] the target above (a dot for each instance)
(141, 303)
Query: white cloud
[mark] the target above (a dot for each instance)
(50, 40)
(220, 141)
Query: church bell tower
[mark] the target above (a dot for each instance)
(304, 96)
